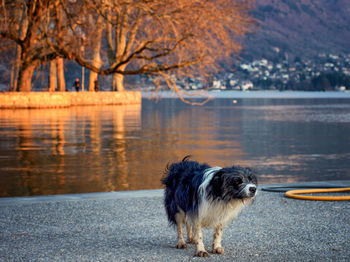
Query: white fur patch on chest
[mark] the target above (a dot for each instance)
(218, 213)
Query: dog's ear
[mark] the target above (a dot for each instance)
(216, 184)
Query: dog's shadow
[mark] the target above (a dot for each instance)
(163, 248)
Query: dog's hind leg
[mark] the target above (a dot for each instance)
(217, 248)
(198, 237)
(180, 221)
(190, 237)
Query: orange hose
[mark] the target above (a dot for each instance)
(295, 194)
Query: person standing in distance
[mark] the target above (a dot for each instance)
(76, 84)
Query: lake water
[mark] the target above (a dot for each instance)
(113, 148)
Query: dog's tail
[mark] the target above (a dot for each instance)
(186, 158)
(170, 180)
(171, 172)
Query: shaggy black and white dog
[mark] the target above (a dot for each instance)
(197, 195)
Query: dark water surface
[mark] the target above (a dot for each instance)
(111, 148)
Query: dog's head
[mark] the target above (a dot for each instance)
(233, 183)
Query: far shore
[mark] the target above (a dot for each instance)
(247, 94)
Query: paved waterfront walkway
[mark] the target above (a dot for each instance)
(132, 226)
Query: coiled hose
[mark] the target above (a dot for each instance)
(310, 189)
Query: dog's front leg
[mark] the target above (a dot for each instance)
(217, 248)
(198, 238)
(189, 233)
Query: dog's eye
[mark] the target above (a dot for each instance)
(237, 181)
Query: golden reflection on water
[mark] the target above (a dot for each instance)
(54, 151)
(108, 148)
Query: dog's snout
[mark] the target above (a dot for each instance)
(252, 189)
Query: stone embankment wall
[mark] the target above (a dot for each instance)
(66, 99)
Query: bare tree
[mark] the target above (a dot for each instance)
(23, 21)
(164, 39)
(168, 39)
(33, 26)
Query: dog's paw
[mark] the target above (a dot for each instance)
(218, 250)
(201, 254)
(181, 245)
(190, 240)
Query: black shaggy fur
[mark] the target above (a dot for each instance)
(183, 179)
(181, 185)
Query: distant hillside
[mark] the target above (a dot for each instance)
(302, 28)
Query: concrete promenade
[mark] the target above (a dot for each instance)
(132, 226)
(15, 100)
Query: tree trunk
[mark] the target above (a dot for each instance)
(25, 78)
(96, 60)
(22, 30)
(60, 75)
(53, 76)
(92, 79)
(118, 83)
(115, 51)
(15, 69)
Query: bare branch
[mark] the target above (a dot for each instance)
(185, 37)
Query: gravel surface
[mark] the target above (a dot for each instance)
(132, 226)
